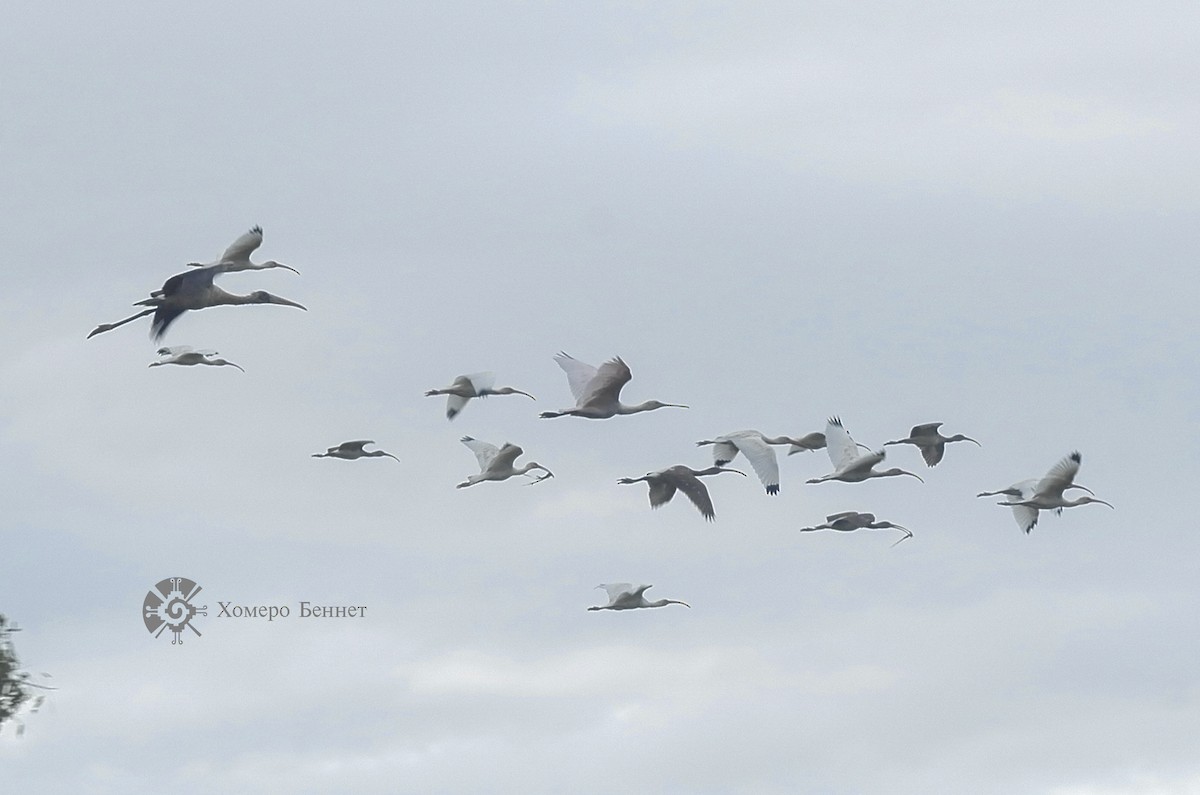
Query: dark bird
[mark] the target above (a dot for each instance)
(853, 520)
(664, 483)
(931, 443)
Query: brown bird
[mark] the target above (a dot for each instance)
(931, 443)
(853, 520)
(664, 483)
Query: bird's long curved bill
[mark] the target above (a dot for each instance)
(548, 474)
(286, 302)
(907, 534)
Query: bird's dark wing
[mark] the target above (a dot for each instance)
(661, 492)
(933, 453)
(698, 494)
(164, 316)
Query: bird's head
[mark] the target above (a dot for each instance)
(893, 472)
(650, 405)
(273, 264)
(536, 465)
(263, 297)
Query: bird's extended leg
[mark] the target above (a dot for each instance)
(103, 327)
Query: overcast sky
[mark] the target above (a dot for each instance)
(775, 213)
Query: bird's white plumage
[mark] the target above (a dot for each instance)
(842, 449)
(485, 452)
(579, 375)
(753, 445)
(243, 247)
(1059, 478)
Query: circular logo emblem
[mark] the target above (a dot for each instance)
(169, 606)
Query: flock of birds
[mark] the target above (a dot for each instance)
(597, 392)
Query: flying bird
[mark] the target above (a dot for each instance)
(849, 464)
(597, 391)
(758, 451)
(496, 463)
(182, 354)
(1047, 493)
(237, 256)
(853, 520)
(190, 290)
(665, 482)
(931, 443)
(470, 386)
(352, 450)
(624, 596)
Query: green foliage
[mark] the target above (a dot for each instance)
(15, 687)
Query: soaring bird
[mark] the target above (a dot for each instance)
(853, 520)
(190, 290)
(182, 354)
(931, 443)
(664, 483)
(758, 451)
(352, 450)
(1047, 493)
(470, 386)
(496, 463)
(237, 256)
(624, 596)
(849, 464)
(598, 391)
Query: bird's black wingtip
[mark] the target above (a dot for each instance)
(773, 489)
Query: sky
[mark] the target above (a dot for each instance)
(976, 214)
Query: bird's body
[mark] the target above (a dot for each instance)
(850, 465)
(930, 442)
(626, 596)
(470, 386)
(1046, 494)
(807, 442)
(182, 354)
(597, 391)
(853, 520)
(664, 483)
(352, 450)
(497, 463)
(758, 451)
(192, 289)
(237, 256)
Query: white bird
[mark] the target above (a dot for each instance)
(470, 386)
(352, 450)
(598, 391)
(1047, 493)
(853, 520)
(931, 443)
(624, 596)
(850, 465)
(237, 256)
(496, 463)
(190, 290)
(758, 451)
(665, 482)
(182, 354)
